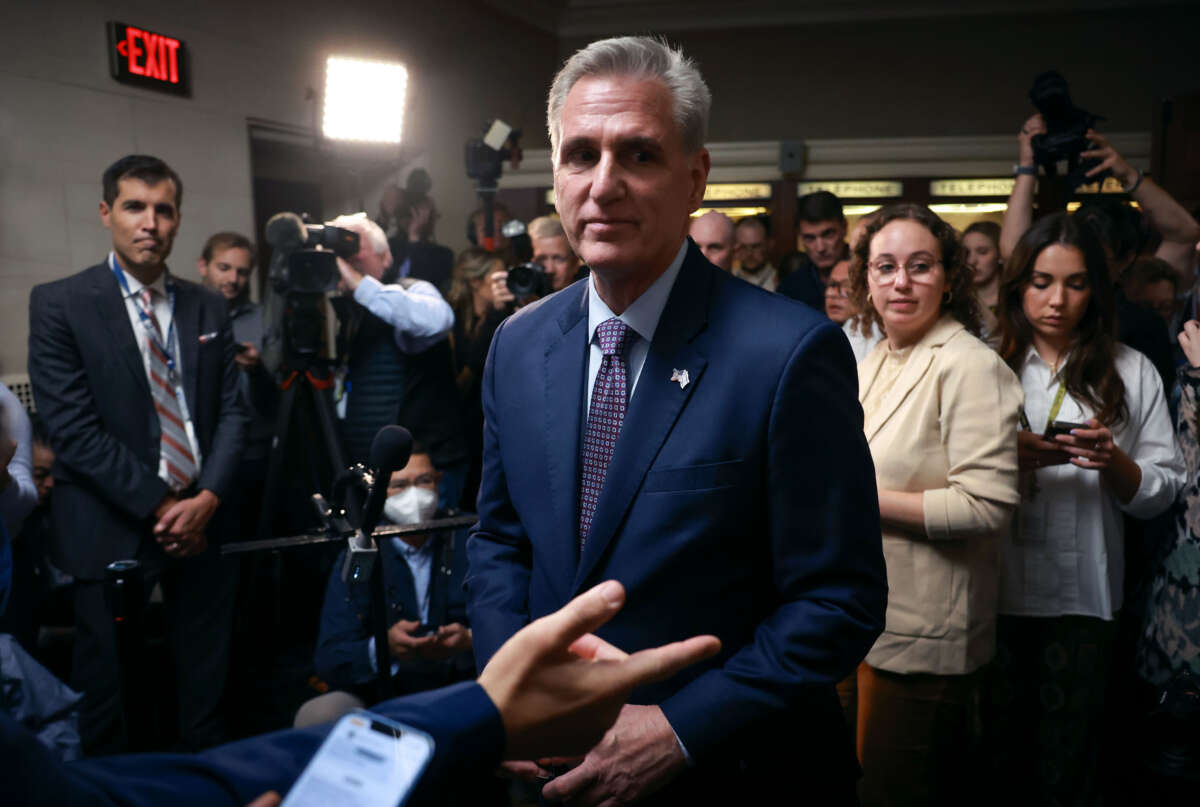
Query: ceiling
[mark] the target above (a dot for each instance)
(585, 18)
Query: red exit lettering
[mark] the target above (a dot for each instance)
(161, 54)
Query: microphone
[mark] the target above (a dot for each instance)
(390, 451)
(286, 231)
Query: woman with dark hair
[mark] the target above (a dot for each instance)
(940, 412)
(981, 248)
(1096, 441)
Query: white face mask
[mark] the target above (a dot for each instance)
(414, 505)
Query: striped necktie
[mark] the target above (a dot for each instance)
(174, 444)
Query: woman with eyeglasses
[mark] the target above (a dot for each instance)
(940, 411)
(1096, 441)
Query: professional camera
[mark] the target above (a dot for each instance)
(485, 156)
(1066, 130)
(526, 279)
(305, 255)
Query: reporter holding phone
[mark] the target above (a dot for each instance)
(1061, 586)
(940, 412)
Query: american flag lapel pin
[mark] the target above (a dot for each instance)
(681, 376)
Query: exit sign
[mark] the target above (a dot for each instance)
(148, 59)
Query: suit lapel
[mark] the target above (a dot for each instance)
(655, 407)
(110, 307)
(914, 370)
(565, 377)
(187, 329)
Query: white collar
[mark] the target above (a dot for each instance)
(644, 313)
(135, 286)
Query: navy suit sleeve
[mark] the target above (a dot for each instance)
(466, 728)
(64, 398)
(341, 658)
(221, 463)
(499, 557)
(827, 556)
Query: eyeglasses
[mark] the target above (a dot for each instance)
(837, 288)
(919, 270)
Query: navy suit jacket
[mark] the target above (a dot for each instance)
(466, 728)
(742, 505)
(347, 624)
(91, 389)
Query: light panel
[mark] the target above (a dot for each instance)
(364, 100)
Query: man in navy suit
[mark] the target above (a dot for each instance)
(692, 436)
(133, 373)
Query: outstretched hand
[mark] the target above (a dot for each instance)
(558, 687)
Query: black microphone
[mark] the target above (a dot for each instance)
(390, 451)
(286, 231)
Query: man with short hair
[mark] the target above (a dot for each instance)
(133, 372)
(713, 233)
(553, 253)
(428, 639)
(750, 248)
(820, 243)
(399, 368)
(627, 434)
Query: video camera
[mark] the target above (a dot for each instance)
(1066, 130)
(305, 255)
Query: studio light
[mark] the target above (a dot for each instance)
(364, 101)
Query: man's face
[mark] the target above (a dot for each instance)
(556, 257)
(623, 184)
(43, 461)
(143, 220)
(419, 472)
(228, 272)
(837, 303)
(714, 236)
(751, 246)
(823, 241)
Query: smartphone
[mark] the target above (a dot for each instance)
(424, 629)
(1061, 427)
(366, 761)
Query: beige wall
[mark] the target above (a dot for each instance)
(63, 119)
(964, 76)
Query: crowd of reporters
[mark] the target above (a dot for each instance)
(1033, 570)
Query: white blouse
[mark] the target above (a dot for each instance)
(1066, 553)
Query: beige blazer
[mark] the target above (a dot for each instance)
(947, 427)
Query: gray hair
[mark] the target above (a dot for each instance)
(546, 227)
(641, 57)
(361, 223)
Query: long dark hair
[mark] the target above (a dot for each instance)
(1090, 373)
(960, 280)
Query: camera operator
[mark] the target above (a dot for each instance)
(393, 345)
(553, 253)
(413, 215)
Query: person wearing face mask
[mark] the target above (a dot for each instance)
(1061, 584)
(428, 636)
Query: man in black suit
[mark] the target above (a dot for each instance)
(133, 372)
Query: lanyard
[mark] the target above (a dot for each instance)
(168, 349)
(1058, 399)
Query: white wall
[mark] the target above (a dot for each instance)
(63, 119)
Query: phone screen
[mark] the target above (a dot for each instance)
(366, 761)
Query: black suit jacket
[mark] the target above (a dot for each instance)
(90, 386)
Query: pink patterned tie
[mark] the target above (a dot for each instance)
(173, 445)
(605, 416)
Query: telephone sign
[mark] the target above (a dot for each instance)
(148, 59)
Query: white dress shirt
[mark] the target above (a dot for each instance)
(1066, 554)
(642, 316)
(162, 312)
(860, 344)
(419, 315)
